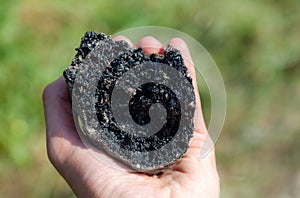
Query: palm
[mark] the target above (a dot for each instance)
(88, 177)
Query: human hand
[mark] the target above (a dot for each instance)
(192, 176)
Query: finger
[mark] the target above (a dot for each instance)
(123, 38)
(180, 44)
(58, 112)
(151, 45)
(65, 149)
(195, 160)
(202, 147)
(201, 143)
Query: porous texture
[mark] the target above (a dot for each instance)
(104, 61)
(88, 42)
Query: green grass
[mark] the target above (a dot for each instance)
(256, 45)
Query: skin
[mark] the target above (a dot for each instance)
(192, 176)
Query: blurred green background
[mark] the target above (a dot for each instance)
(256, 45)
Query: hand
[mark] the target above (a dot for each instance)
(192, 176)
